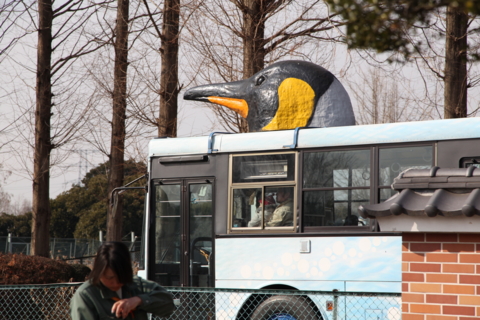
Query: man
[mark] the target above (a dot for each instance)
(283, 214)
(265, 209)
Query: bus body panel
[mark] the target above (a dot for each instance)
(308, 259)
(368, 263)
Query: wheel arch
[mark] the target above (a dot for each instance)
(254, 300)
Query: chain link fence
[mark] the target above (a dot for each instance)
(51, 302)
(66, 249)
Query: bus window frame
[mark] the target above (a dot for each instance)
(374, 182)
(332, 229)
(378, 188)
(250, 185)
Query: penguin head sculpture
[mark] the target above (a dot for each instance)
(285, 95)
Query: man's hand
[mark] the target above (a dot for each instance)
(123, 307)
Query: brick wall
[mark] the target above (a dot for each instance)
(441, 276)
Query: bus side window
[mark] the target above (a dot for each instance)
(245, 204)
(263, 191)
(335, 183)
(263, 207)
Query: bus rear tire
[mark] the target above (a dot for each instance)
(285, 308)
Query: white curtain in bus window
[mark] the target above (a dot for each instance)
(262, 168)
(392, 161)
(335, 184)
(247, 210)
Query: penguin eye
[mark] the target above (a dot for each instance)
(260, 80)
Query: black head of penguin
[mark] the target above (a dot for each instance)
(257, 98)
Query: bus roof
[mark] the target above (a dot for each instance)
(435, 130)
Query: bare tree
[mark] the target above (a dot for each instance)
(447, 48)
(117, 150)
(169, 86)
(456, 63)
(70, 15)
(383, 96)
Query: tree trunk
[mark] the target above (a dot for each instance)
(456, 64)
(167, 122)
(115, 179)
(253, 42)
(41, 163)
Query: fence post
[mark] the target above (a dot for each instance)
(8, 249)
(335, 303)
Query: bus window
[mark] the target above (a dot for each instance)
(392, 161)
(335, 184)
(262, 192)
(246, 208)
(470, 161)
(262, 168)
(279, 213)
(263, 208)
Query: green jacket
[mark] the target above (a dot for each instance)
(95, 303)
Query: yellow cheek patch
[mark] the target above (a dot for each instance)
(295, 105)
(240, 106)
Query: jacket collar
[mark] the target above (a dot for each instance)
(109, 294)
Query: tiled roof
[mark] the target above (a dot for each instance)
(431, 192)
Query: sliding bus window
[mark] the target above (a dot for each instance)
(263, 168)
(262, 192)
(392, 161)
(335, 184)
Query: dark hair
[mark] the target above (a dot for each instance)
(351, 220)
(113, 255)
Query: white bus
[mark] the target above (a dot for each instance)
(217, 214)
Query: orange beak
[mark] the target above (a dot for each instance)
(240, 106)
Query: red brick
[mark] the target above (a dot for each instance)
(478, 269)
(469, 237)
(426, 287)
(425, 247)
(404, 307)
(464, 311)
(442, 237)
(468, 318)
(412, 297)
(426, 308)
(478, 291)
(406, 237)
(443, 278)
(439, 317)
(405, 266)
(458, 289)
(459, 268)
(404, 287)
(469, 279)
(413, 277)
(469, 258)
(469, 300)
(425, 267)
(405, 246)
(442, 257)
(418, 257)
(441, 298)
(459, 247)
(407, 316)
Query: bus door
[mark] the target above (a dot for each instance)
(183, 232)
